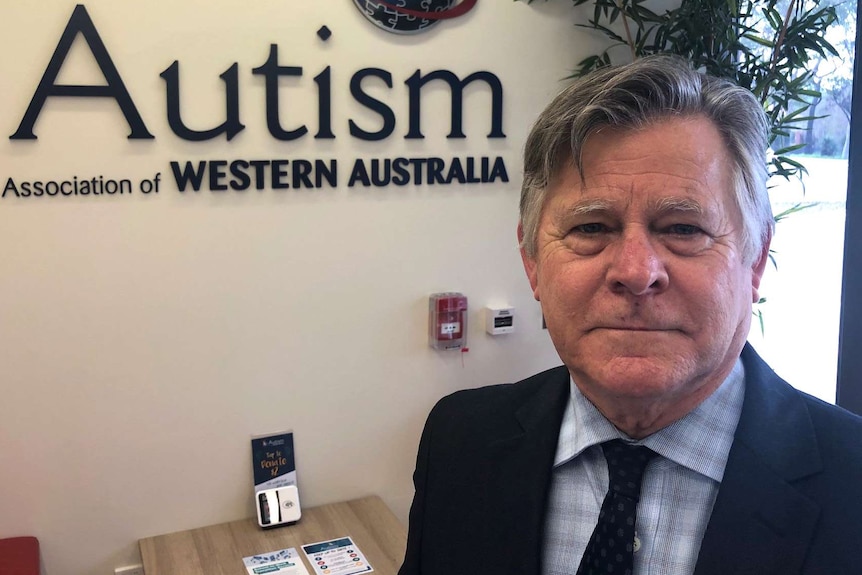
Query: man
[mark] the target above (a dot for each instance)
(645, 228)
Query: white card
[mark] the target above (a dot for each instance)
(336, 557)
(282, 562)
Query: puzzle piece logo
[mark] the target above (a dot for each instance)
(412, 16)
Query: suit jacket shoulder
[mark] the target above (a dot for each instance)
(486, 413)
(481, 479)
(789, 502)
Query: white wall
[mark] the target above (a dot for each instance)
(144, 339)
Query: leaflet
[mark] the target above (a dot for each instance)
(282, 562)
(336, 557)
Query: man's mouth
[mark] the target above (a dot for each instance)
(643, 328)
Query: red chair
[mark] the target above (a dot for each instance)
(19, 556)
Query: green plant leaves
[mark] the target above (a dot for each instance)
(766, 46)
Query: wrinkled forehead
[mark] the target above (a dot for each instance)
(679, 165)
(570, 148)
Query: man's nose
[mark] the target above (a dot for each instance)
(637, 266)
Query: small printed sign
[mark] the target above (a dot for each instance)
(336, 557)
(282, 562)
(273, 461)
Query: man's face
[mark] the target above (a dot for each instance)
(640, 269)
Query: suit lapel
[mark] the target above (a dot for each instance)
(761, 524)
(522, 465)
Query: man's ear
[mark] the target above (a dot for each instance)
(529, 264)
(758, 268)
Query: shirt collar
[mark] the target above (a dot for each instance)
(700, 440)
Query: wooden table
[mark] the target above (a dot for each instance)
(219, 549)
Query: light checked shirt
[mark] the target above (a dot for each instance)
(679, 486)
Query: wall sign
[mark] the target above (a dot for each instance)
(411, 16)
(241, 174)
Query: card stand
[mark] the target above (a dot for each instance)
(278, 507)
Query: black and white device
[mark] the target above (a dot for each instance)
(278, 506)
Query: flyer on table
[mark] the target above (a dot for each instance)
(282, 562)
(336, 557)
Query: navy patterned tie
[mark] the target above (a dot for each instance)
(611, 547)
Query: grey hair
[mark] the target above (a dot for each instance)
(631, 97)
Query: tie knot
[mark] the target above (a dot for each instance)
(626, 465)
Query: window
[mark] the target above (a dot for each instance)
(849, 353)
(802, 314)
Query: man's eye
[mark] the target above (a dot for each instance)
(590, 229)
(684, 229)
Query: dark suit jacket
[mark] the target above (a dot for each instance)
(790, 502)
